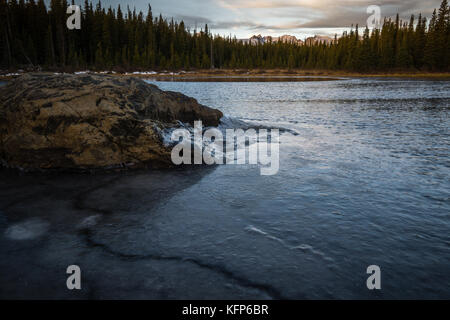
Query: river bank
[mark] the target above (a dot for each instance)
(251, 74)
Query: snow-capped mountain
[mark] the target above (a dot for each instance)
(259, 39)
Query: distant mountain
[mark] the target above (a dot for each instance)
(319, 39)
(259, 39)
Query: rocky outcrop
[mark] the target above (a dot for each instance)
(87, 122)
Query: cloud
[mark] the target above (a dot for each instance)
(354, 12)
(276, 17)
(305, 16)
(188, 19)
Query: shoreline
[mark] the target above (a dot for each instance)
(249, 75)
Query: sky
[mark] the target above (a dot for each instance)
(300, 18)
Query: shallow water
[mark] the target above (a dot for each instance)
(364, 180)
(244, 78)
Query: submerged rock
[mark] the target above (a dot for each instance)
(90, 121)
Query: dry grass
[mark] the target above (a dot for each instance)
(267, 73)
(282, 72)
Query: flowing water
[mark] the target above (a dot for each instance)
(364, 179)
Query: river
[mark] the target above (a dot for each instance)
(364, 179)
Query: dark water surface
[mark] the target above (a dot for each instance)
(364, 180)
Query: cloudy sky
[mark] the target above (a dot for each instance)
(301, 18)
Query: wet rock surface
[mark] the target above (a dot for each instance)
(81, 122)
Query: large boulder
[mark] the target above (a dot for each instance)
(90, 121)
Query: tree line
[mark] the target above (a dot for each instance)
(34, 36)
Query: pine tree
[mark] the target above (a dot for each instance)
(430, 54)
(291, 60)
(419, 40)
(404, 60)
(441, 36)
(31, 35)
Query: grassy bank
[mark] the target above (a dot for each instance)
(311, 73)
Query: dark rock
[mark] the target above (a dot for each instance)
(90, 121)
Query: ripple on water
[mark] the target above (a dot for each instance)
(89, 221)
(302, 247)
(29, 229)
